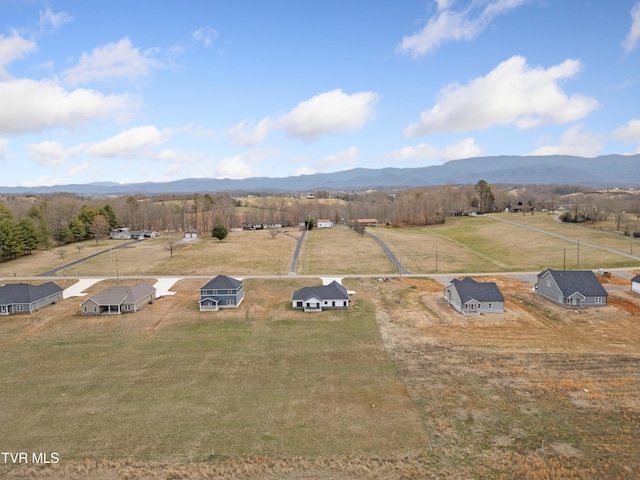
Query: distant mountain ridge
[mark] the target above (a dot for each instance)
(605, 171)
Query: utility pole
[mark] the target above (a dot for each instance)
(578, 264)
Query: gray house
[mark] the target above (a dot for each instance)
(315, 299)
(120, 299)
(635, 284)
(25, 298)
(469, 297)
(572, 288)
(221, 292)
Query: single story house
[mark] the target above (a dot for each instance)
(119, 299)
(469, 297)
(367, 222)
(221, 292)
(315, 299)
(125, 233)
(635, 284)
(324, 223)
(571, 288)
(25, 298)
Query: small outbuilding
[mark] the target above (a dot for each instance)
(324, 223)
(26, 298)
(119, 299)
(471, 297)
(315, 299)
(635, 284)
(572, 288)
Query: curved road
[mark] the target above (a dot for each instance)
(390, 255)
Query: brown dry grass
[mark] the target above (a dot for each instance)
(342, 251)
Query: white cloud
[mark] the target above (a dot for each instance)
(449, 25)
(425, 152)
(130, 142)
(51, 152)
(248, 135)
(630, 132)
(511, 94)
(13, 48)
(574, 141)
(55, 20)
(631, 41)
(4, 143)
(206, 35)
(111, 61)
(32, 106)
(336, 162)
(234, 167)
(325, 113)
(330, 112)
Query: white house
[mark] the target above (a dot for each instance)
(635, 284)
(324, 223)
(315, 299)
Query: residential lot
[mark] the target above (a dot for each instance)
(398, 386)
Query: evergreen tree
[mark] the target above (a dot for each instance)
(44, 231)
(219, 231)
(76, 226)
(10, 241)
(109, 213)
(28, 233)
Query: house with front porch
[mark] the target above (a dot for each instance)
(26, 298)
(119, 299)
(325, 297)
(571, 288)
(470, 297)
(221, 292)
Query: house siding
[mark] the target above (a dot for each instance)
(635, 286)
(549, 288)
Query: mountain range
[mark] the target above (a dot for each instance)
(606, 171)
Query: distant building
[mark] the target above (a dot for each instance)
(128, 234)
(221, 292)
(324, 223)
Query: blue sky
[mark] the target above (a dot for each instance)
(156, 91)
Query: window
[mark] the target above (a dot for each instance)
(85, 309)
(298, 304)
(490, 306)
(230, 302)
(548, 283)
(598, 300)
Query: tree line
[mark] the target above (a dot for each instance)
(30, 222)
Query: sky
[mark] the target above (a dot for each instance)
(129, 92)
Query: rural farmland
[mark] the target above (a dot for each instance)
(400, 385)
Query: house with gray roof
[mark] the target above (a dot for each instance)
(635, 284)
(571, 288)
(471, 297)
(119, 299)
(315, 299)
(25, 298)
(221, 292)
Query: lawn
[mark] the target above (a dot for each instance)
(173, 384)
(482, 244)
(339, 250)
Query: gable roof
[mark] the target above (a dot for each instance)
(636, 279)
(222, 282)
(120, 295)
(469, 289)
(25, 293)
(572, 281)
(333, 291)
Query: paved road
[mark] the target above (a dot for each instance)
(390, 255)
(296, 254)
(52, 273)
